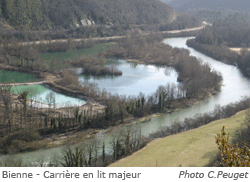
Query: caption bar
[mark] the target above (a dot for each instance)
(124, 174)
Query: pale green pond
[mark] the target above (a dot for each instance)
(42, 94)
(38, 93)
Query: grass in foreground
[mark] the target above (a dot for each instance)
(193, 148)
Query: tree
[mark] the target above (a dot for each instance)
(96, 146)
(142, 101)
(77, 116)
(128, 141)
(24, 99)
(50, 98)
(162, 98)
(109, 113)
(7, 100)
(232, 155)
(89, 149)
(122, 112)
(103, 154)
(27, 53)
(53, 123)
(73, 157)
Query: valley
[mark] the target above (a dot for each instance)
(109, 83)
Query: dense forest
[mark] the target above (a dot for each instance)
(215, 41)
(44, 19)
(183, 5)
(183, 20)
(211, 11)
(232, 31)
(45, 14)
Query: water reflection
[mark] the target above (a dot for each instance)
(136, 78)
(235, 87)
(44, 97)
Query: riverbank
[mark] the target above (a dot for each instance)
(220, 53)
(76, 135)
(47, 79)
(55, 142)
(224, 54)
(59, 138)
(153, 158)
(193, 148)
(73, 136)
(229, 94)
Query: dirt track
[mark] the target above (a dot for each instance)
(105, 39)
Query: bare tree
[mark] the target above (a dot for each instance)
(5, 95)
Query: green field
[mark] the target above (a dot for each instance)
(57, 61)
(193, 148)
(16, 77)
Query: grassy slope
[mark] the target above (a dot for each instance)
(191, 148)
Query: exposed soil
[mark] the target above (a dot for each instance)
(238, 49)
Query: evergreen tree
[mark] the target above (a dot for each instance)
(103, 154)
(24, 99)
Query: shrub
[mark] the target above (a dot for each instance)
(232, 155)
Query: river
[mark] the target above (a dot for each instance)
(235, 87)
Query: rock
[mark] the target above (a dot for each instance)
(87, 22)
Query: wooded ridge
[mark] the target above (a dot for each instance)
(57, 14)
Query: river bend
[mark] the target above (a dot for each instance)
(235, 87)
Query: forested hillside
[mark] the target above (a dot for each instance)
(57, 14)
(232, 31)
(211, 4)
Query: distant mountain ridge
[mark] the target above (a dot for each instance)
(209, 4)
(51, 14)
